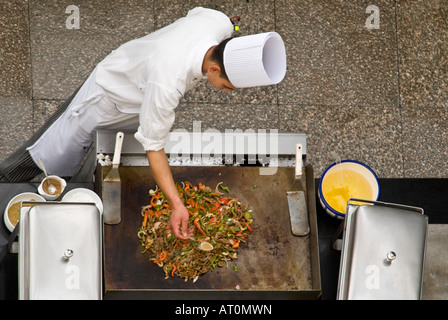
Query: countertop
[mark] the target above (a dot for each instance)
(429, 194)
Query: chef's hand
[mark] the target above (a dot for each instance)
(179, 222)
(161, 172)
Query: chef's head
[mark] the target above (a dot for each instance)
(216, 73)
(249, 61)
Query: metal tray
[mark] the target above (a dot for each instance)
(60, 251)
(383, 251)
(272, 264)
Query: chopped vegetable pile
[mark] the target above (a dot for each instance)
(214, 217)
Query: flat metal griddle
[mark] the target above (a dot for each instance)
(272, 264)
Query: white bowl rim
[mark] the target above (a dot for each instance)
(6, 220)
(321, 196)
(97, 199)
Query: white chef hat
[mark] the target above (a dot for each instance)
(255, 60)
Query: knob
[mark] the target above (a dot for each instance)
(391, 256)
(68, 253)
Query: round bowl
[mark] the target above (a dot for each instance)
(60, 184)
(26, 196)
(344, 180)
(83, 195)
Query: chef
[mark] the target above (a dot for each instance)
(139, 85)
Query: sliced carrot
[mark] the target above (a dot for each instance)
(197, 225)
(162, 257)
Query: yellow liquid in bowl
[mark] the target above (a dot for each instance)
(341, 185)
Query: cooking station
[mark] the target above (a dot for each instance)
(273, 264)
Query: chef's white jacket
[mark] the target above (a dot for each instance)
(136, 86)
(150, 75)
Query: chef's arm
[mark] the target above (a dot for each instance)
(161, 172)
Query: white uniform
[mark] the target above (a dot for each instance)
(137, 86)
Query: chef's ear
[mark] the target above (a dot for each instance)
(214, 68)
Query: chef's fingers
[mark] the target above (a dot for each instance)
(175, 227)
(179, 219)
(182, 234)
(185, 230)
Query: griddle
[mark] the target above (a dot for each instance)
(272, 264)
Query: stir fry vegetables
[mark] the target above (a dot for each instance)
(214, 217)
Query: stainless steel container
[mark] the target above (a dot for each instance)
(60, 251)
(383, 251)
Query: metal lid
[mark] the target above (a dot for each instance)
(60, 252)
(383, 252)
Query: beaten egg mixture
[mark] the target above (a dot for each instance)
(341, 185)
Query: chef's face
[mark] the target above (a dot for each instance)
(217, 81)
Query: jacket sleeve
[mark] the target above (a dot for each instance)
(156, 116)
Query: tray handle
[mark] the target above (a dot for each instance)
(387, 204)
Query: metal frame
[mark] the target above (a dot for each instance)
(239, 142)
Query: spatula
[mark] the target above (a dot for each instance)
(111, 190)
(298, 212)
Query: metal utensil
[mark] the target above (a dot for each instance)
(298, 212)
(203, 245)
(50, 187)
(111, 191)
